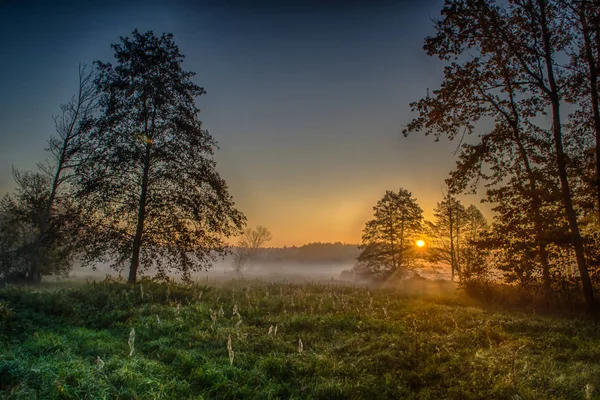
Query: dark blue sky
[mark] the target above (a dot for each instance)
(307, 99)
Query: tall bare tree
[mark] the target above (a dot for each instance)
(248, 246)
(65, 148)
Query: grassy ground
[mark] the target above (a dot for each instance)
(77, 343)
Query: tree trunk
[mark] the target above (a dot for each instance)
(593, 79)
(36, 269)
(543, 252)
(458, 271)
(401, 260)
(392, 244)
(452, 256)
(588, 290)
(137, 240)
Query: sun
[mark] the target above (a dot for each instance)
(420, 243)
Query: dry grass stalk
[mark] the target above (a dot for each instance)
(589, 391)
(131, 342)
(230, 350)
(300, 346)
(99, 363)
(213, 317)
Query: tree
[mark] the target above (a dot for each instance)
(388, 238)
(249, 245)
(22, 218)
(446, 233)
(65, 148)
(475, 258)
(583, 18)
(504, 59)
(149, 185)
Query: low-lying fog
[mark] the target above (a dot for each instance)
(291, 271)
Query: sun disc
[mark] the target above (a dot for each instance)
(420, 243)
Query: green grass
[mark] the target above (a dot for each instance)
(427, 347)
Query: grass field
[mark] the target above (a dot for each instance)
(110, 340)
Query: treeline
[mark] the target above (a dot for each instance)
(130, 180)
(530, 68)
(309, 253)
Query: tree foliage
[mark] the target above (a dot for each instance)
(149, 186)
(445, 233)
(505, 65)
(388, 239)
(22, 217)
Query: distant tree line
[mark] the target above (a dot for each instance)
(131, 179)
(310, 253)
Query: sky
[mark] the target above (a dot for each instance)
(307, 99)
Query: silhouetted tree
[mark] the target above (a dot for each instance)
(65, 148)
(583, 21)
(475, 259)
(503, 64)
(446, 233)
(149, 184)
(22, 218)
(388, 238)
(454, 238)
(249, 245)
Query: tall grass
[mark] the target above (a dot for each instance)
(266, 340)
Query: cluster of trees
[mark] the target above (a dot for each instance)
(131, 180)
(529, 68)
(455, 236)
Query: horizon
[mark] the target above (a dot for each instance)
(307, 103)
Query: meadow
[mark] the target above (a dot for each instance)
(267, 340)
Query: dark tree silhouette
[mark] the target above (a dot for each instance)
(248, 246)
(152, 194)
(446, 233)
(583, 21)
(388, 238)
(22, 218)
(65, 148)
(475, 259)
(503, 64)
